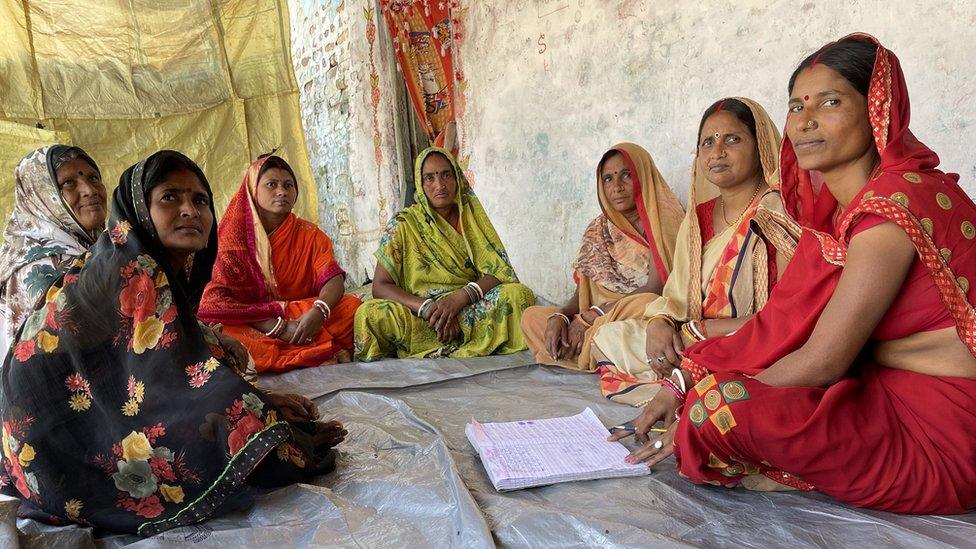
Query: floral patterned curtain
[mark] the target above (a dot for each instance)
(422, 32)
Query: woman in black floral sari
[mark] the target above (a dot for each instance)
(119, 409)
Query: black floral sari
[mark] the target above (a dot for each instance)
(118, 408)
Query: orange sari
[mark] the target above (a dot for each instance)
(259, 277)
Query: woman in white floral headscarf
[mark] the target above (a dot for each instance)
(59, 210)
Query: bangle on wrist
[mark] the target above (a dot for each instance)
(681, 379)
(597, 310)
(691, 329)
(477, 290)
(700, 325)
(277, 328)
(424, 310)
(678, 393)
(661, 316)
(323, 308)
(560, 315)
(471, 293)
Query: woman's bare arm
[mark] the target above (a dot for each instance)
(385, 288)
(878, 261)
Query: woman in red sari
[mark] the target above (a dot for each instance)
(276, 285)
(858, 378)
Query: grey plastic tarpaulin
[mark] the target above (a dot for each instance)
(407, 477)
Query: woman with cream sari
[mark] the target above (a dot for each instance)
(733, 242)
(622, 264)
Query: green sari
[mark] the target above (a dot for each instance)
(428, 258)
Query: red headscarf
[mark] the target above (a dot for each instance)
(906, 188)
(242, 289)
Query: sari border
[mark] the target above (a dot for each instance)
(331, 271)
(232, 477)
(952, 294)
(651, 242)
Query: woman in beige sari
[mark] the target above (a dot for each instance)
(733, 242)
(622, 264)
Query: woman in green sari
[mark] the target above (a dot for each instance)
(443, 285)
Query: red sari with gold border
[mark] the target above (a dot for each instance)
(881, 438)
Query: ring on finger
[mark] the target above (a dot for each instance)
(658, 445)
(661, 359)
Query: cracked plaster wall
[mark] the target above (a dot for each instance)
(551, 84)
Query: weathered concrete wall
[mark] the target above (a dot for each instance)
(350, 137)
(551, 84)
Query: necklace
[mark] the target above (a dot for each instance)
(721, 202)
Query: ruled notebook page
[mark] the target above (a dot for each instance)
(520, 454)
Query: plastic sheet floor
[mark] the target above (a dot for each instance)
(407, 477)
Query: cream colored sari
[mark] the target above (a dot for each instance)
(726, 277)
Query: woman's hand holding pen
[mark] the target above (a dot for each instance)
(662, 407)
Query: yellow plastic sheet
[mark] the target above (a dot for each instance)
(125, 78)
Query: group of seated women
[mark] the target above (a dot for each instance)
(807, 323)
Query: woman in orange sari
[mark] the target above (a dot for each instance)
(276, 285)
(858, 377)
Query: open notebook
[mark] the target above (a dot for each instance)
(520, 454)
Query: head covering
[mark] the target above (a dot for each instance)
(615, 255)
(431, 256)
(906, 188)
(131, 200)
(728, 276)
(257, 273)
(736, 293)
(41, 224)
(245, 254)
(908, 424)
(116, 409)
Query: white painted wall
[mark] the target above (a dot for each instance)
(538, 117)
(643, 71)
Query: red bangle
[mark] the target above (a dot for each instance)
(674, 389)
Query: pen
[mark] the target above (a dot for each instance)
(629, 426)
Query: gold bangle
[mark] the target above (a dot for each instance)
(664, 317)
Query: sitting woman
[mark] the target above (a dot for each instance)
(733, 241)
(443, 284)
(622, 264)
(276, 285)
(858, 378)
(59, 210)
(117, 411)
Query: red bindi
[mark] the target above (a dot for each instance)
(806, 97)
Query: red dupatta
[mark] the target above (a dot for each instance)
(907, 189)
(242, 289)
